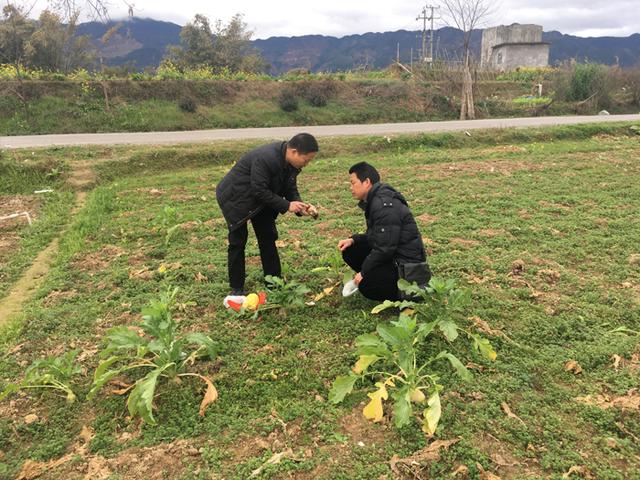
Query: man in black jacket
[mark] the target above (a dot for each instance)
(258, 187)
(392, 238)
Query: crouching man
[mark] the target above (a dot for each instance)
(261, 185)
(391, 248)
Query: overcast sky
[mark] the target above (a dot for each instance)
(345, 17)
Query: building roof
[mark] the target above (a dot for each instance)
(507, 44)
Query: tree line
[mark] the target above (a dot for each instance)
(51, 43)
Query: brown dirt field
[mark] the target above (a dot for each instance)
(10, 229)
(498, 166)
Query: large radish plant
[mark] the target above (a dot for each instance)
(160, 352)
(394, 355)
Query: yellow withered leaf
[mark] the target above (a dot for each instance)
(363, 362)
(417, 396)
(381, 392)
(210, 396)
(373, 411)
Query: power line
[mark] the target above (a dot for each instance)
(424, 17)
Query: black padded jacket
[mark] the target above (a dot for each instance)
(392, 232)
(262, 178)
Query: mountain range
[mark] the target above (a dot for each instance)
(141, 43)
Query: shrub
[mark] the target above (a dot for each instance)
(288, 100)
(188, 104)
(584, 82)
(318, 93)
(632, 85)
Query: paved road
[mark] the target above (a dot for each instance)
(199, 136)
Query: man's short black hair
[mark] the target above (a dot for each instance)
(304, 143)
(363, 170)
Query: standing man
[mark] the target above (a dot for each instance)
(258, 187)
(392, 245)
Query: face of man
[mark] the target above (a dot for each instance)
(299, 160)
(359, 189)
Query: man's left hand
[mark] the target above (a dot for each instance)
(358, 278)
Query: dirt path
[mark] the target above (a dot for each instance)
(82, 177)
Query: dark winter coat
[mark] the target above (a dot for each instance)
(392, 232)
(261, 179)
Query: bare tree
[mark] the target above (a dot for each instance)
(94, 9)
(467, 15)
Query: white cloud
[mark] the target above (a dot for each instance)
(342, 17)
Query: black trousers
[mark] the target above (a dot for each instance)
(381, 283)
(264, 226)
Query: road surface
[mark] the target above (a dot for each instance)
(280, 133)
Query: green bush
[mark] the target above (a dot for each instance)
(188, 104)
(585, 82)
(588, 80)
(317, 92)
(288, 100)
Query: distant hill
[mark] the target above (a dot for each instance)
(142, 42)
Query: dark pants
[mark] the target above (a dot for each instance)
(380, 283)
(264, 225)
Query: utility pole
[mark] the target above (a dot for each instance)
(423, 16)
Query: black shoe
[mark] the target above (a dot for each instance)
(237, 292)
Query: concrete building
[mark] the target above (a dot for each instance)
(508, 47)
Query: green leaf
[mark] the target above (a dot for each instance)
(156, 346)
(406, 322)
(424, 329)
(485, 348)
(123, 338)
(368, 340)
(448, 328)
(624, 330)
(205, 341)
(410, 288)
(405, 361)
(140, 400)
(364, 362)
(461, 370)
(402, 411)
(371, 344)
(342, 386)
(395, 336)
(432, 414)
(102, 380)
(105, 364)
(384, 306)
(10, 389)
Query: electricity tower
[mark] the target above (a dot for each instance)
(426, 56)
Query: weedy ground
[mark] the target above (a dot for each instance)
(541, 225)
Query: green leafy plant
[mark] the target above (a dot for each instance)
(286, 295)
(159, 350)
(332, 264)
(52, 372)
(441, 301)
(168, 221)
(288, 100)
(396, 352)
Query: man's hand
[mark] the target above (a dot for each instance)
(358, 278)
(298, 207)
(346, 243)
(312, 211)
